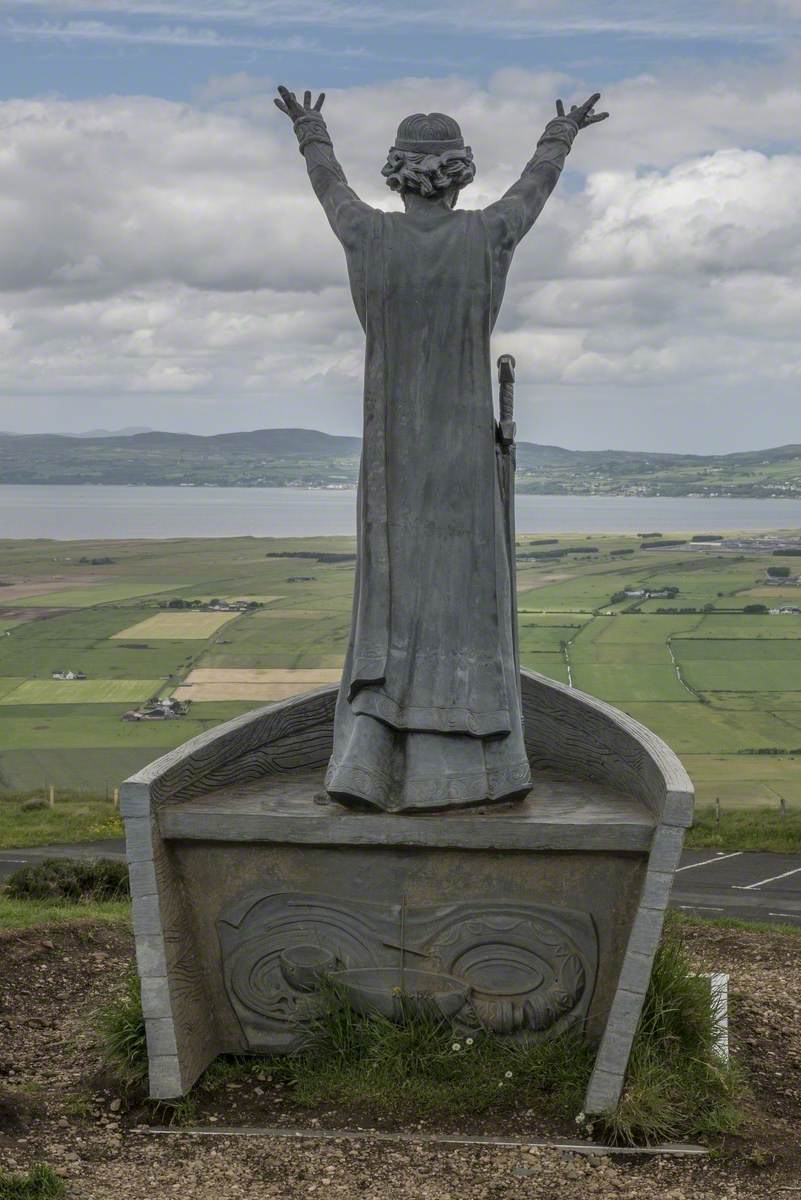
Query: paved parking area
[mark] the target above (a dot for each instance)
(750, 885)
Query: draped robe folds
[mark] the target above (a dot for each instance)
(428, 714)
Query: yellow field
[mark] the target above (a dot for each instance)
(176, 627)
(268, 683)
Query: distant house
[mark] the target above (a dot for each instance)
(157, 710)
(68, 675)
(648, 594)
(788, 610)
(231, 605)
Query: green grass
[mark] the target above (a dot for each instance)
(72, 819)
(631, 683)
(424, 1067)
(704, 729)
(34, 914)
(84, 771)
(758, 829)
(726, 626)
(677, 1086)
(40, 1183)
(83, 691)
(552, 665)
(536, 638)
(758, 674)
(99, 593)
(121, 1026)
(783, 650)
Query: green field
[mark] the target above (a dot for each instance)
(82, 691)
(721, 685)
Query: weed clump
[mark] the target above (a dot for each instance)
(678, 1084)
(422, 1065)
(40, 1183)
(95, 879)
(121, 1026)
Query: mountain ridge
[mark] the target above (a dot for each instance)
(297, 457)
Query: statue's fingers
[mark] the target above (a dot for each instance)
(588, 105)
(289, 98)
(319, 102)
(280, 104)
(560, 108)
(307, 99)
(593, 118)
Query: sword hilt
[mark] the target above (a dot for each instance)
(506, 399)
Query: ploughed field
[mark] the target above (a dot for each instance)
(721, 683)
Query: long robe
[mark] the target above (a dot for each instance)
(429, 715)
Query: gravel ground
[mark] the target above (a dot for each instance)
(58, 1106)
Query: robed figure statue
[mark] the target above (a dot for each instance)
(429, 714)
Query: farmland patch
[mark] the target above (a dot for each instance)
(176, 626)
(629, 683)
(82, 691)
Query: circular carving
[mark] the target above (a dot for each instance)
(523, 971)
(272, 971)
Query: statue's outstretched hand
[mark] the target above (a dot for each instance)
(290, 104)
(582, 114)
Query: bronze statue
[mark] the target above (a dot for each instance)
(429, 711)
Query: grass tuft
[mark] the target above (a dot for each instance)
(423, 1066)
(40, 1183)
(677, 1084)
(121, 1026)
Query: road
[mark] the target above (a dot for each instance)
(750, 885)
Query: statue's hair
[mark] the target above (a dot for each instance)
(429, 157)
(429, 174)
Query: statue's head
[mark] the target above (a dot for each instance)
(429, 158)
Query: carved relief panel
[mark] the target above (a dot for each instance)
(513, 968)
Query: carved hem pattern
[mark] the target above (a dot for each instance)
(418, 718)
(444, 791)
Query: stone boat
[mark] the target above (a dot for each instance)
(524, 918)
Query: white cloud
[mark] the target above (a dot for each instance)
(168, 261)
(746, 20)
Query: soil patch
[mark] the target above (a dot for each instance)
(74, 1117)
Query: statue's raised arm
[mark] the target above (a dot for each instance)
(520, 206)
(345, 211)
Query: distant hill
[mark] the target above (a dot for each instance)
(105, 433)
(310, 458)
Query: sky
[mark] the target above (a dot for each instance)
(163, 262)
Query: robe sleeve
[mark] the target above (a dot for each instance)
(510, 218)
(348, 216)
